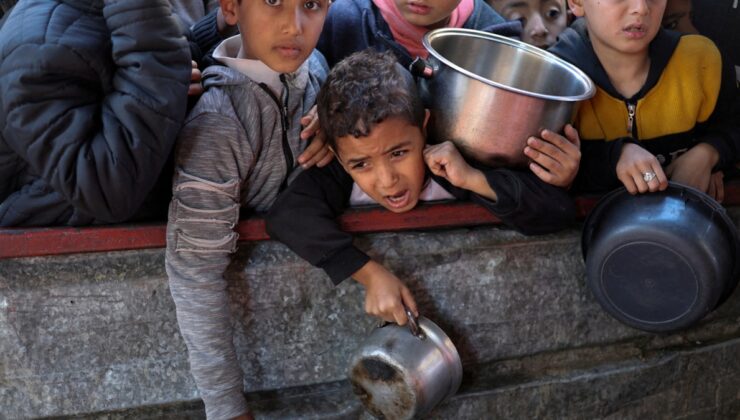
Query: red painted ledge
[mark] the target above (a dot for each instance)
(25, 242)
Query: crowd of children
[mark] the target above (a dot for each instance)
(305, 107)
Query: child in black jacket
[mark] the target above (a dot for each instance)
(374, 122)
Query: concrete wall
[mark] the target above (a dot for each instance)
(95, 335)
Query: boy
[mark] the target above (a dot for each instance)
(374, 123)
(93, 95)
(237, 148)
(659, 102)
(542, 20)
(399, 25)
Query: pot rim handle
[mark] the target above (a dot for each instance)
(414, 324)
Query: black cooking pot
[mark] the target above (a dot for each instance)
(660, 261)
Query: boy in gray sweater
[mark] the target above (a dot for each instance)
(240, 144)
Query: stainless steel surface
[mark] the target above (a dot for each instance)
(489, 93)
(399, 375)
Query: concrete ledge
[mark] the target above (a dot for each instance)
(96, 333)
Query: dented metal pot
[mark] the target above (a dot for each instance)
(402, 373)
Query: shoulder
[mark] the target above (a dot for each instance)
(348, 11)
(698, 47)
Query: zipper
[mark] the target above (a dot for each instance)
(631, 126)
(284, 124)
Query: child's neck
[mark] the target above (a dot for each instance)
(627, 72)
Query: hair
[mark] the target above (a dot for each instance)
(363, 90)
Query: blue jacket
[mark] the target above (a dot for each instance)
(354, 25)
(93, 95)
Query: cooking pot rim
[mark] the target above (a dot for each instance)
(674, 189)
(590, 90)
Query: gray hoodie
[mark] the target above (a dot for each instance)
(236, 149)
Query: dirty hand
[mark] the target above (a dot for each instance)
(555, 159)
(694, 168)
(385, 294)
(318, 152)
(195, 88)
(640, 171)
(445, 160)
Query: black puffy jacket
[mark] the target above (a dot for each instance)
(92, 95)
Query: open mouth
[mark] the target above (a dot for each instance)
(288, 51)
(635, 30)
(397, 201)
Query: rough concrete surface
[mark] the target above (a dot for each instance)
(95, 335)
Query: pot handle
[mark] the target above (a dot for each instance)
(420, 68)
(414, 324)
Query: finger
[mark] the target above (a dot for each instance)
(193, 64)
(195, 75)
(660, 176)
(572, 135)
(546, 147)
(399, 314)
(195, 89)
(712, 189)
(317, 157)
(312, 154)
(408, 300)
(541, 173)
(326, 159)
(311, 129)
(547, 161)
(720, 190)
(629, 183)
(640, 183)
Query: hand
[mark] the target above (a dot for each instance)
(694, 168)
(717, 186)
(195, 88)
(555, 159)
(318, 152)
(633, 163)
(445, 160)
(385, 294)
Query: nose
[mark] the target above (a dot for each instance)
(639, 7)
(293, 21)
(387, 175)
(536, 27)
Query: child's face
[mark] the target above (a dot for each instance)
(388, 164)
(280, 33)
(677, 16)
(430, 14)
(543, 20)
(624, 27)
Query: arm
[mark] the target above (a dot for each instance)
(101, 150)
(519, 198)
(212, 153)
(304, 218)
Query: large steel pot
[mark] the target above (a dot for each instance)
(402, 373)
(488, 93)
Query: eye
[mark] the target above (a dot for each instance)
(273, 2)
(399, 153)
(312, 5)
(554, 13)
(359, 166)
(671, 24)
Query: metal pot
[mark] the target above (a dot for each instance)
(661, 261)
(401, 373)
(488, 93)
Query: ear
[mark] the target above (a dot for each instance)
(576, 6)
(230, 11)
(426, 120)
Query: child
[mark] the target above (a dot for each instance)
(399, 25)
(659, 112)
(542, 20)
(374, 124)
(93, 95)
(237, 149)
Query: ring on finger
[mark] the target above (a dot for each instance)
(648, 176)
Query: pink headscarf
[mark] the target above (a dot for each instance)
(408, 35)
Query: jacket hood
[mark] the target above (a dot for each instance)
(574, 45)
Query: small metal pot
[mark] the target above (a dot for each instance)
(488, 93)
(402, 373)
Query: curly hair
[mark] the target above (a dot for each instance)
(363, 90)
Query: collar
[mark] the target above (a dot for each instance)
(227, 53)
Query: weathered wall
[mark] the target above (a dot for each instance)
(97, 333)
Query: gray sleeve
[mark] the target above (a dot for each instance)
(212, 159)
